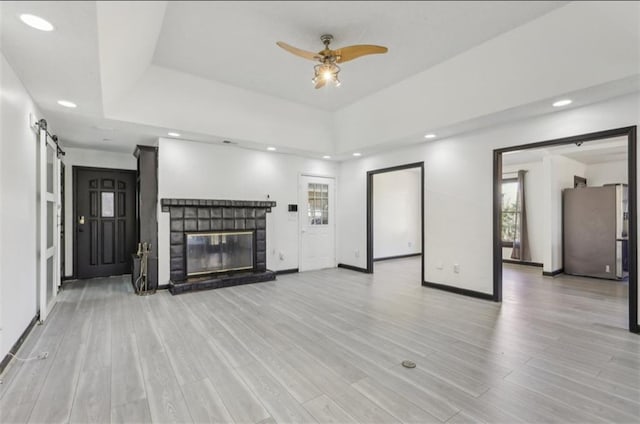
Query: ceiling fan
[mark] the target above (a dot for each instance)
(327, 70)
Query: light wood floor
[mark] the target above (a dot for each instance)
(326, 346)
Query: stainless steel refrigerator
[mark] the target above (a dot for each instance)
(595, 231)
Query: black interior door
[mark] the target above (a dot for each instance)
(105, 221)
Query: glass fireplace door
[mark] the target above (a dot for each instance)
(219, 252)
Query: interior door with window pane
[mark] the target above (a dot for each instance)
(49, 224)
(317, 223)
(105, 221)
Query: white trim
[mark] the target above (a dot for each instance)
(304, 174)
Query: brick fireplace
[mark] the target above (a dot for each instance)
(218, 220)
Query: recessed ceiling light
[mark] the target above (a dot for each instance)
(173, 134)
(563, 102)
(99, 128)
(326, 157)
(357, 154)
(67, 103)
(430, 136)
(36, 22)
(271, 149)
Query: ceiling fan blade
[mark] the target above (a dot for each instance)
(298, 52)
(321, 83)
(353, 52)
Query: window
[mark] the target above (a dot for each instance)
(107, 204)
(318, 199)
(510, 214)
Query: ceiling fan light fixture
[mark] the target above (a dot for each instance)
(327, 71)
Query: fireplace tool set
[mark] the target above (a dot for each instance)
(141, 286)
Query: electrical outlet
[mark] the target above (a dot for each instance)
(409, 244)
(281, 256)
(607, 268)
(357, 253)
(456, 268)
(440, 265)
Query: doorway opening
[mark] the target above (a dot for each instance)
(542, 192)
(399, 240)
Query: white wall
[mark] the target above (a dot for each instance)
(206, 171)
(396, 213)
(534, 203)
(605, 173)
(458, 189)
(90, 158)
(18, 248)
(558, 172)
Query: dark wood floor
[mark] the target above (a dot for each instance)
(326, 346)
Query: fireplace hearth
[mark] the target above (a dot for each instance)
(216, 243)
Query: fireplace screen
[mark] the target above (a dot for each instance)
(218, 252)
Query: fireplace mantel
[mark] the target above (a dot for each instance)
(166, 203)
(202, 215)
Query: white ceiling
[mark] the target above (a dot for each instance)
(212, 70)
(234, 42)
(61, 64)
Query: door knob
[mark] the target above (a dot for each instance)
(81, 220)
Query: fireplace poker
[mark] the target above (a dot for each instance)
(141, 285)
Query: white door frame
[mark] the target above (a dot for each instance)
(335, 208)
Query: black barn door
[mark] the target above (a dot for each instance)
(105, 221)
